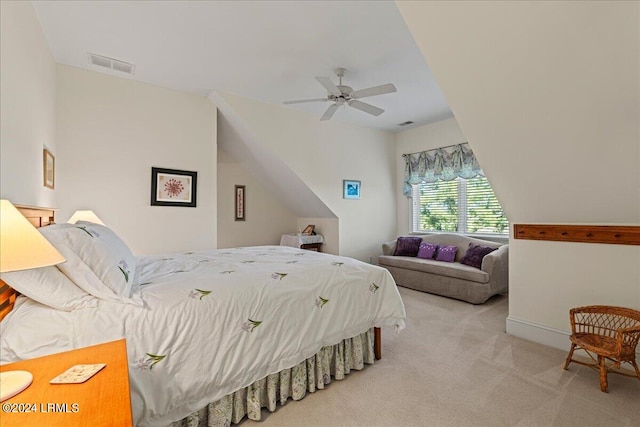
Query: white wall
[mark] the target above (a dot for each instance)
(266, 219)
(27, 106)
(110, 132)
(548, 95)
(427, 137)
(322, 154)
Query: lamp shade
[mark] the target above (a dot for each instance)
(88, 216)
(21, 246)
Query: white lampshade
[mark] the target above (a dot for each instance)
(88, 216)
(21, 246)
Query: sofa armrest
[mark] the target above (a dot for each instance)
(389, 248)
(496, 264)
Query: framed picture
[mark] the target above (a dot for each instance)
(240, 205)
(351, 189)
(172, 187)
(49, 169)
(309, 229)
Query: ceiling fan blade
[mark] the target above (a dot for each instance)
(376, 90)
(367, 108)
(330, 111)
(299, 101)
(328, 85)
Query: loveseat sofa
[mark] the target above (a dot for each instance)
(451, 279)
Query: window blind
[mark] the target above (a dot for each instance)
(460, 205)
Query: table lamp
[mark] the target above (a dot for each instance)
(22, 247)
(88, 216)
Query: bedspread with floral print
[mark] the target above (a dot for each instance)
(215, 322)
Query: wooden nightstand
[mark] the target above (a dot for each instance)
(303, 241)
(103, 400)
(312, 247)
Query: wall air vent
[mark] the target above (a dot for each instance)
(408, 122)
(113, 64)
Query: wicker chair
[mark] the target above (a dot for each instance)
(611, 333)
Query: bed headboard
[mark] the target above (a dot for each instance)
(39, 217)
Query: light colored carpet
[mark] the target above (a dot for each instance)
(454, 365)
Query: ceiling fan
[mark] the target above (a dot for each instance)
(340, 95)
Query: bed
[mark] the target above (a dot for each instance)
(212, 336)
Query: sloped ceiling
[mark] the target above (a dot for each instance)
(237, 139)
(548, 95)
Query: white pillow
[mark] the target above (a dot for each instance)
(87, 258)
(114, 243)
(50, 287)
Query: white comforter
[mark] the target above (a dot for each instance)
(216, 321)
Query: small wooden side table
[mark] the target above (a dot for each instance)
(303, 241)
(103, 400)
(317, 247)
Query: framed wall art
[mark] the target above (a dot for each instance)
(48, 169)
(172, 187)
(351, 189)
(240, 203)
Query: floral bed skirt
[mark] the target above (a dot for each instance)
(310, 375)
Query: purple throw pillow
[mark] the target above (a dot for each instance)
(474, 255)
(446, 253)
(427, 250)
(407, 246)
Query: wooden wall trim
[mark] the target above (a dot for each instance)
(611, 234)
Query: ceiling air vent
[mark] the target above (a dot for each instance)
(408, 122)
(113, 64)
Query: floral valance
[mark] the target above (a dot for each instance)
(444, 164)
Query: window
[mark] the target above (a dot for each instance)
(460, 206)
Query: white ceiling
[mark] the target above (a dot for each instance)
(265, 50)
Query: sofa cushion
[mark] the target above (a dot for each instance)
(462, 242)
(449, 269)
(446, 253)
(427, 250)
(407, 246)
(474, 255)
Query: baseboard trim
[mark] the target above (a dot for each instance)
(541, 334)
(538, 333)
